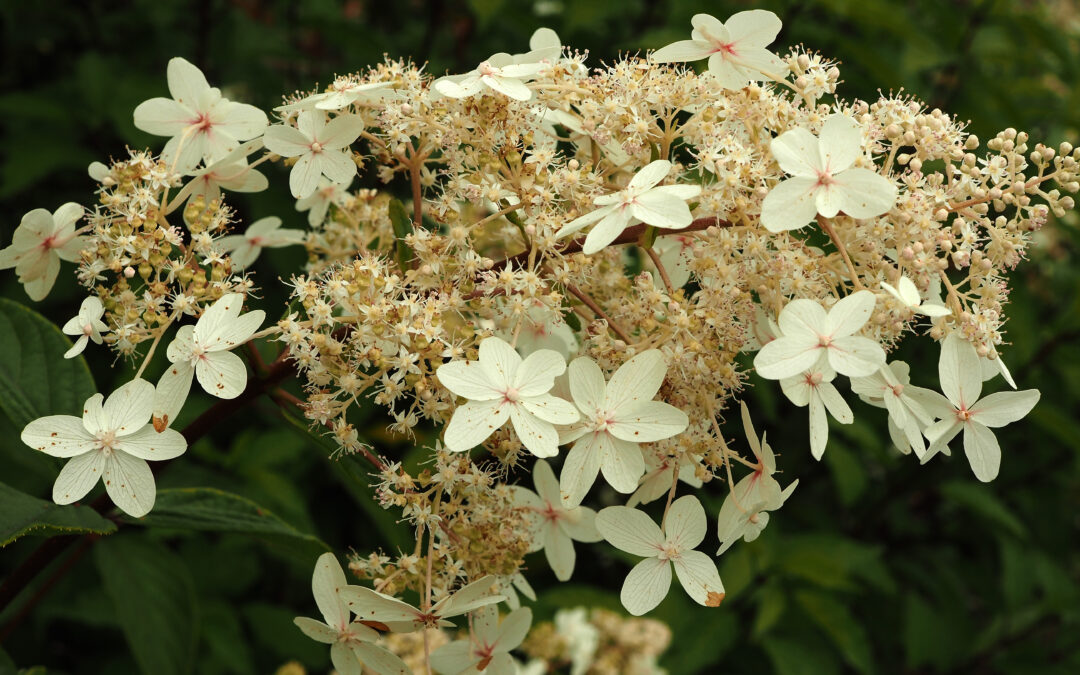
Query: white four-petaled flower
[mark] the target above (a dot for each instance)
(814, 388)
(401, 617)
(489, 645)
(615, 417)
(244, 248)
(505, 73)
(322, 148)
(824, 179)
(961, 381)
(735, 49)
(501, 386)
(39, 243)
(906, 292)
(640, 201)
(555, 524)
(890, 388)
(647, 584)
(203, 125)
(87, 324)
(810, 336)
(112, 441)
(352, 643)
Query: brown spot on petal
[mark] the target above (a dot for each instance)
(161, 423)
(714, 599)
(377, 625)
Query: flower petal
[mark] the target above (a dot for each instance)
(648, 421)
(147, 443)
(686, 525)
(536, 374)
(698, 576)
(630, 530)
(636, 381)
(221, 374)
(59, 436)
(473, 422)
(579, 469)
(959, 371)
(1004, 407)
(862, 193)
(646, 586)
(78, 477)
(538, 436)
(982, 450)
(789, 205)
(327, 582)
(621, 463)
(468, 379)
(129, 408)
(130, 483)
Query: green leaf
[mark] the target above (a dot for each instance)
(22, 514)
(799, 657)
(223, 635)
(845, 631)
(772, 601)
(35, 378)
(154, 597)
(981, 501)
(402, 223)
(213, 510)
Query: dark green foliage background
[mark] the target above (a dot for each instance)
(875, 565)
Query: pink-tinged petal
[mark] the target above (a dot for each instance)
(753, 28)
(221, 374)
(59, 436)
(164, 117)
(698, 576)
(538, 437)
(787, 356)
(473, 422)
(646, 586)
(78, 477)
(855, 356)
(621, 463)
(130, 483)
(862, 193)
(467, 378)
(686, 523)
(536, 374)
(636, 381)
(648, 422)
(840, 143)
(959, 371)
(709, 28)
(649, 175)
(149, 444)
(850, 314)
(286, 141)
(183, 153)
(682, 51)
(790, 205)
(128, 409)
(661, 210)
(304, 177)
(560, 554)
(186, 82)
(579, 469)
(1004, 407)
(242, 121)
(630, 530)
(797, 152)
(982, 450)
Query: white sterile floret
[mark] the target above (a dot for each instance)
(317, 204)
(658, 476)
(487, 649)
(961, 381)
(811, 336)
(202, 351)
(890, 388)
(647, 584)
(352, 648)
(401, 617)
(501, 386)
(112, 441)
(202, 125)
(245, 248)
(505, 73)
(343, 92)
(641, 201)
(744, 513)
(87, 324)
(615, 417)
(322, 148)
(814, 388)
(39, 243)
(231, 172)
(824, 179)
(908, 295)
(555, 525)
(735, 49)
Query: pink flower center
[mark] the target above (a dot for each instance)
(486, 68)
(511, 395)
(316, 146)
(203, 123)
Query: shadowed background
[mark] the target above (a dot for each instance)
(875, 565)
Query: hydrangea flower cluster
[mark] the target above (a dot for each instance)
(577, 264)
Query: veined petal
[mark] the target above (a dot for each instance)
(686, 523)
(660, 209)
(78, 477)
(149, 444)
(304, 177)
(789, 205)
(579, 469)
(547, 486)
(508, 86)
(129, 408)
(316, 630)
(580, 524)
(855, 356)
(499, 361)
(840, 143)
(286, 141)
(648, 421)
(171, 393)
(379, 659)
(851, 313)
(862, 193)
(587, 384)
(345, 659)
(186, 82)
(621, 463)
(182, 347)
(803, 316)
(513, 629)
(1004, 407)
(551, 409)
(607, 230)
(819, 426)
(630, 530)
(471, 596)
(538, 437)
(959, 371)
(536, 374)
(163, 117)
(753, 28)
(473, 422)
(221, 374)
(559, 550)
(59, 436)
(636, 381)
(338, 166)
(369, 605)
(698, 576)
(581, 222)
(982, 450)
(649, 175)
(242, 121)
(130, 483)
(796, 151)
(835, 403)
(682, 51)
(787, 356)
(327, 582)
(646, 586)
(468, 379)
